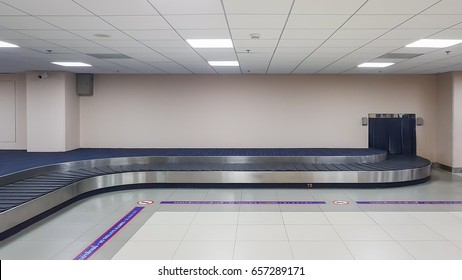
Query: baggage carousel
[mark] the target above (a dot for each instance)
(33, 185)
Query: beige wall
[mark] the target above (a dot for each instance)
(17, 118)
(250, 111)
(444, 119)
(72, 112)
(457, 121)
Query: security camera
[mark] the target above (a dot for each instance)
(42, 76)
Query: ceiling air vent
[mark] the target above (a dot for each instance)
(400, 55)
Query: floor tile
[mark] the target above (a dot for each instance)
(437, 218)
(260, 218)
(215, 218)
(32, 250)
(211, 232)
(432, 250)
(160, 232)
(311, 232)
(205, 250)
(261, 232)
(304, 218)
(262, 250)
(147, 250)
(394, 218)
(448, 232)
(411, 232)
(377, 250)
(171, 218)
(320, 250)
(349, 218)
(361, 232)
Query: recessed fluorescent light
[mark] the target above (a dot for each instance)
(223, 63)
(72, 64)
(433, 43)
(376, 64)
(7, 45)
(210, 43)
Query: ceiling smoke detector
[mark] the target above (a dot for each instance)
(255, 36)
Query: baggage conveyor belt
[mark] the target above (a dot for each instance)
(26, 194)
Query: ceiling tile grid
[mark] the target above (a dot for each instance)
(294, 36)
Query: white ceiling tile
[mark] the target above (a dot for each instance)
(33, 43)
(316, 21)
(256, 21)
(433, 21)
(197, 21)
(188, 7)
(395, 7)
(351, 34)
(219, 57)
(51, 34)
(264, 33)
(258, 7)
(137, 22)
(254, 50)
(167, 44)
(95, 50)
(331, 43)
(227, 70)
(74, 43)
(171, 68)
(390, 43)
(118, 7)
(410, 34)
(337, 50)
(24, 22)
(90, 35)
(296, 51)
(9, 34)
(326, 7)
(413, 50)
(448, 34)
(255, 43)
(177, 51)
(300, 43)
(309, 34)
(446, 7)
(151, 57)
(130, 51)
(48, 7)
(78, 22)
(154, 34)
(6, 10)
(121, 44)
(375, 21)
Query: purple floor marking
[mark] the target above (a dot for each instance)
(409, 202)
(106, 236)
(240, 202)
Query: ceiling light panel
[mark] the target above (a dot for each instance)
(375, 65)
(257, 7)
(433, 43)
(223, 63)
(181, 7)
(48, 7)
(326, 7)
(10, 34)
(7, 45)
(72, 64)
(204, 33)
(118, 7)
(197, 21)
(210, 43)
(395, 7)
(257, 21)
(316, 21)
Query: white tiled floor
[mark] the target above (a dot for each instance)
(319, 232)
